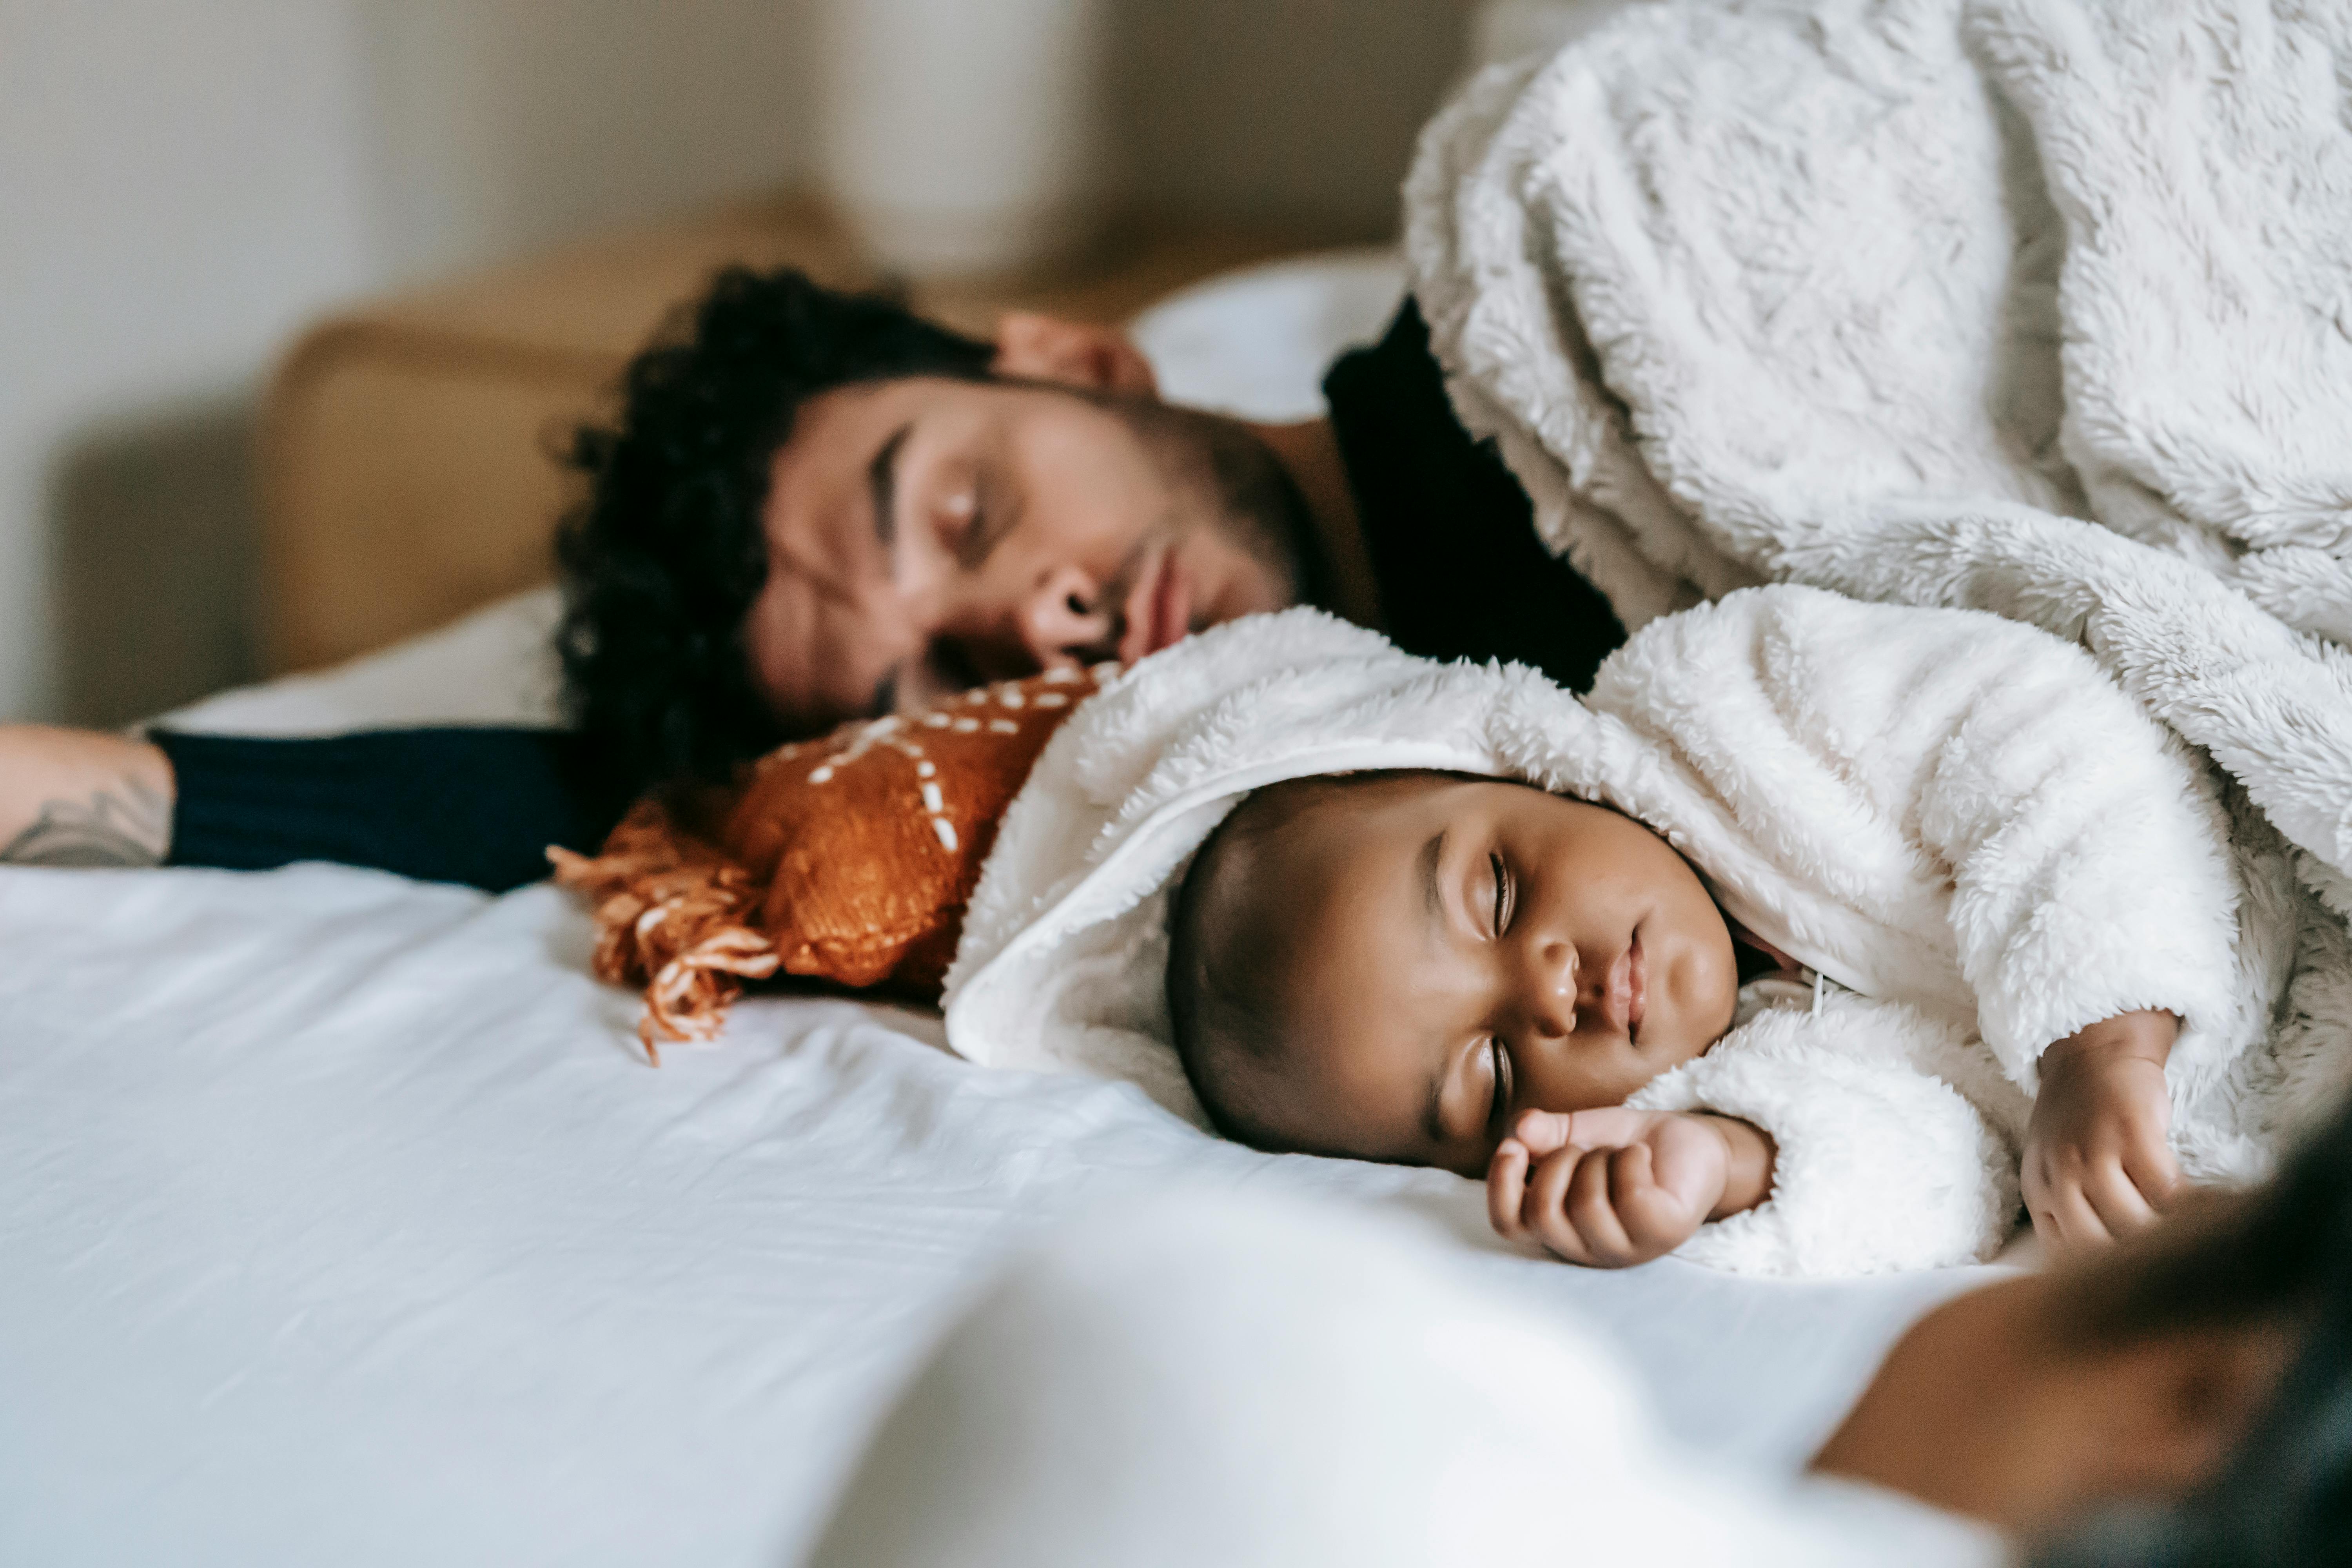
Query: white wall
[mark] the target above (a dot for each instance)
(1282, 108)
(178, 189)
(507, 125)
(184, 183)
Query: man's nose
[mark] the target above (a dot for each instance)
(1548, 985)
(1062, 620)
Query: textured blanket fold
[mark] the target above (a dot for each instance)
(2037, 306)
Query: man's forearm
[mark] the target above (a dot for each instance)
(79, 797)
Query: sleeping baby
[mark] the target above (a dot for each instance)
(1437, 969)
(1789, 949)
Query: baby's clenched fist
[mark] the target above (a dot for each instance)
(1615, 1187)
(2097, 1164)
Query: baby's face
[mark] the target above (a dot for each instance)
(1464, 950)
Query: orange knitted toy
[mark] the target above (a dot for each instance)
(849, 858)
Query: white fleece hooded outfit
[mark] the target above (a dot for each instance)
(1958, 820)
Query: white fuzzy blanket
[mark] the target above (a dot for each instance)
(2038, 306)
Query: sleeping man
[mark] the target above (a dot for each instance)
(1986, 909)
(813, 507)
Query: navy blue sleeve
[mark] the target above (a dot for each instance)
(472, 805)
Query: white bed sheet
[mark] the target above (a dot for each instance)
(342, 1222)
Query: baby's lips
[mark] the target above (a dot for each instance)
(1614, 1002)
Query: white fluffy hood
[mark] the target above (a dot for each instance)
(1064, 955)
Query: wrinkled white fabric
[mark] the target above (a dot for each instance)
(341, 1221)
(1957, 817)
(1261, 1384)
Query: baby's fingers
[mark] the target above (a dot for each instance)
(1609, 1127)
(1592, 1211)
(2154, 1172)
(2066, 1220)
(2116, 1200)
(1507, 1190)
(1542, 1133)
(1545, 1210)
(1655, 1218)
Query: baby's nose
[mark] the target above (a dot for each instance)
(1552, 985)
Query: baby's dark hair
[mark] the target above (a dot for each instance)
(1228, 953)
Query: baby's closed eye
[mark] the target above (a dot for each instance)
(1499, 1113)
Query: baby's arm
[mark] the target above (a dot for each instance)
(2093, 908)
(2097, 1165)
(2088, 861)
(1615, 1187)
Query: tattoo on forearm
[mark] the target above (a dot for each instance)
(128, 825)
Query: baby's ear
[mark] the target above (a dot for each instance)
(1077, 353)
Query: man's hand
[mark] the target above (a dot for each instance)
(78, 797)
(1615, 1187)
(2097, 1165)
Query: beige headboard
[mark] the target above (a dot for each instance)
(406, 443)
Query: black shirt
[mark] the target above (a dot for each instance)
(1454, 552)
(1451, 534)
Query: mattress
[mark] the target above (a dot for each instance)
(342, 1221)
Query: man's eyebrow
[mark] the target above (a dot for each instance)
(882, 482)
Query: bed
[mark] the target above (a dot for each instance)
(342, 1220)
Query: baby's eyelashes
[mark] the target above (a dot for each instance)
(1504, 893)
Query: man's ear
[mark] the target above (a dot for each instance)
(1077, 353)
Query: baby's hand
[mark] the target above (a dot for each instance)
(2097, 1163)
(1608, 1188)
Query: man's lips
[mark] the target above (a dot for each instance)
(1158, 609)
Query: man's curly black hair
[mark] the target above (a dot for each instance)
(663, 560)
